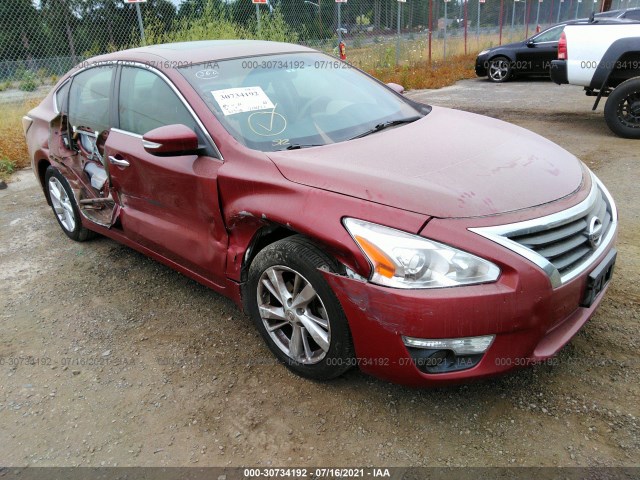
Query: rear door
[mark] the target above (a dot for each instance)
(78, 135)
(168, 204)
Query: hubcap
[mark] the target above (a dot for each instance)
(498, 69)
(293, 314)
(62, 204)
(629, 110)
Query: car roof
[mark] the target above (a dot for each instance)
(185, 53)
(582, 21)
(616, 12)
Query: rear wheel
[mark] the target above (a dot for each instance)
(296, 311)
(499, 69)
(64, 206)
(622, 110)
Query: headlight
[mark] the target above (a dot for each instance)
(483, 52)
(403, 260)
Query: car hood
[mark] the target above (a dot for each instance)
(448, 164)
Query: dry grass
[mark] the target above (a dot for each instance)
(421, 74)
(13, 149)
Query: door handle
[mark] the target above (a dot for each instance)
(117, 161)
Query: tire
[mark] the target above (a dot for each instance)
(64, 206)
(499, 69)
(622, 110)
(307, 331)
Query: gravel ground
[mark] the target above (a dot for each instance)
(108, 358)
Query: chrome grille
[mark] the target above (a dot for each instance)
(566, 243)
(567, 246)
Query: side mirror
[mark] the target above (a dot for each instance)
(530, 43)
(171, 141)
(395, 87)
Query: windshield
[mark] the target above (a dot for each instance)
(285, 101)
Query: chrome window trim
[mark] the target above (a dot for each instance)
(125, 132)
(127, 63)
(498, 234)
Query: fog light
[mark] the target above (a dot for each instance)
(445, 355)
(459, 346)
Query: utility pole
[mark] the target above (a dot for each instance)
(139, 15)
(445, 29)
(140, 24)
(400, 2)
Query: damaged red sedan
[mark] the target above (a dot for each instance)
(355, 226)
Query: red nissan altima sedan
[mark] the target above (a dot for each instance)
(355, 226)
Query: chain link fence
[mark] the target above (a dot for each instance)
(42, 39)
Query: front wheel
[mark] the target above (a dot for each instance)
(295, 310)
(499, 69)
(622, 110)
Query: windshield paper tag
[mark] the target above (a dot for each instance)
(239, 100)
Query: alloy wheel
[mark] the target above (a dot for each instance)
(293, 314)
(499, 69)
(62, 204)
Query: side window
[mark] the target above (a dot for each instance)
(147, 102)
(551, 35)
(90, 98)
(633, 15)
(61, 97)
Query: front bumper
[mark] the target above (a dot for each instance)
(481, 65)
(559, 72)
(530, 324)
(530, 319)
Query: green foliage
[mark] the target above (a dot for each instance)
(357, 40)
(363, 20)
(5, 86)
(274, 28)
(28, 81)
(7, 167)
(216, 23)
(386, 56)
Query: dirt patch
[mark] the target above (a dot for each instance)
(108, 358)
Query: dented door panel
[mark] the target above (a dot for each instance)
(169, 204)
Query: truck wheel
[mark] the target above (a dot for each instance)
(499, 69)
(622, 110)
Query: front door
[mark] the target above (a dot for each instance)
(543, 48)
(167, 204)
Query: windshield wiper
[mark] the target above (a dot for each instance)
(296, 146)
(390, 123)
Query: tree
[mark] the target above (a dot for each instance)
(20, 30)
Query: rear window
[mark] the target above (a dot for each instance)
(61, 97)
(90, 98)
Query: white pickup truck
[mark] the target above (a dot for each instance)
(605, 60)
